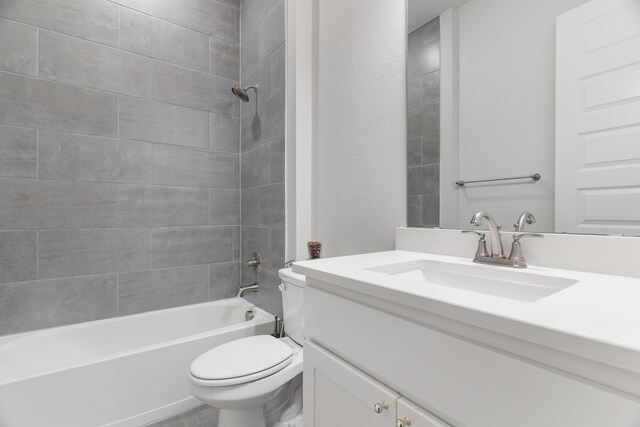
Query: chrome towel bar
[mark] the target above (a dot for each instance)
(534, 177)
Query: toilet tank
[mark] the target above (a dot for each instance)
(292, 288)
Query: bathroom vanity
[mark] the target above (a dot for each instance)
(416, 338)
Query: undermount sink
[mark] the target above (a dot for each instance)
(495, 281)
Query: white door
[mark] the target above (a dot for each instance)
(336, 394)
(410, 415)
(598, 119)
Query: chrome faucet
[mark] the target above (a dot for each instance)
(254, 263)
(516, 259)
(481, 252)
(494, 232)
(247, 288)
(525, 218)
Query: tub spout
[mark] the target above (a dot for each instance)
(248, 288)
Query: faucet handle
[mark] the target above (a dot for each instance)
(482, 244)
(516, 256)
(517, 237)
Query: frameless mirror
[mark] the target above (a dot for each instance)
(524, 105)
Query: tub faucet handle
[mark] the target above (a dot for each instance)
(254, 262)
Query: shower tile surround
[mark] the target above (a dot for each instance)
(121, 152)
(262, 159)
(423, 125)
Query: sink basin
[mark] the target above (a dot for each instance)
(496, 281)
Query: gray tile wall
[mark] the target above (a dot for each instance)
(120, 155)
(262, 179)
(423, 126)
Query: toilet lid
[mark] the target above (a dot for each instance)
(246, 359)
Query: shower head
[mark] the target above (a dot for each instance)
(242, 92)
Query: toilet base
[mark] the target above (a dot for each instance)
(295, 422)
(244, 418)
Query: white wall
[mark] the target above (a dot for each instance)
(421, 11)
(360, 164)
(301, 82)
(507, 107)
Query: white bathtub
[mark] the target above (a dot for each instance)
(126, 371)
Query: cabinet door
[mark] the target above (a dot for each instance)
(410, 415)
(337, 394)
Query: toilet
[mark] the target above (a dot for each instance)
(257, 381)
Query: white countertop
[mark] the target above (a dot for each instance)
(597, 318)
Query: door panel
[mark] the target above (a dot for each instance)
(336, 394)
(598, 118)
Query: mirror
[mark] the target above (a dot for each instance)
(538, 99)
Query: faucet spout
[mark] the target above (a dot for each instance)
(525, 218)
(248, 288)
(494, 232)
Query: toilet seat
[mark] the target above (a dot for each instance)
(242, 361)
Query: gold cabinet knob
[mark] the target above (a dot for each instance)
(405, 422)
(379, 407)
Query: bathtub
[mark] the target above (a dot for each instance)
(126, 371)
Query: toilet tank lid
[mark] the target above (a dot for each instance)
(288, 276)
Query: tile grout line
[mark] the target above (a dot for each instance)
(148, 270)
(117, 294)
(150, 15)
(186, 147)
(110, 92)
(151, 250)
(209, 200)
(37, 179)
(240, 228)
(37, 154)
(118, 118)
(119, 28)
(153, 58)
(137, 227)
(37, 254)
(37, 52)
(127, 184)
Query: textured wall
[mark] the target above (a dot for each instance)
(423, 125)
(119, 157)
(263, 145)
(361, 164)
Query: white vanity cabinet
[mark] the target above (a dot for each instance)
(364, 350)
(337, 394)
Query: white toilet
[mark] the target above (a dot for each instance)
(257, 381)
